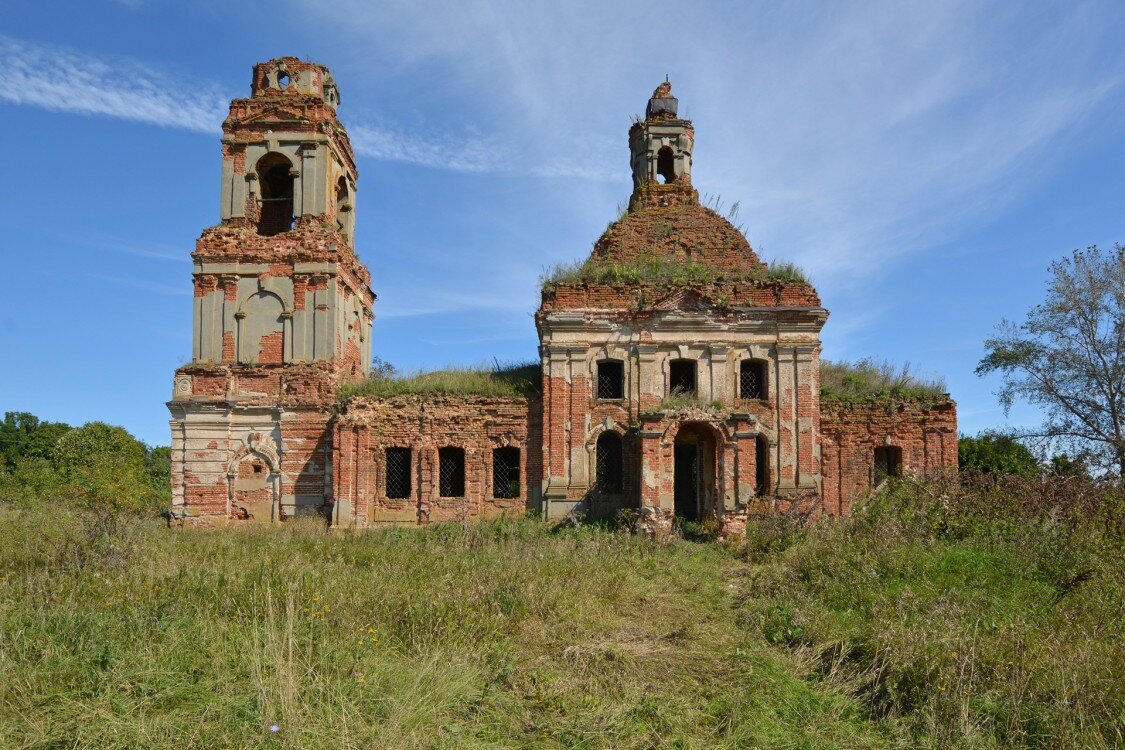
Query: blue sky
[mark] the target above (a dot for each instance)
(923, 161)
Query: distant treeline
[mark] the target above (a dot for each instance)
(96, 465)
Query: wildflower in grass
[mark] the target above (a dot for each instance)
(275, 728)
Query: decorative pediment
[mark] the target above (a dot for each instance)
(275, 114)
(687, 300)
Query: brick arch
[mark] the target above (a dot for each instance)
(596, 431)
(722, 431)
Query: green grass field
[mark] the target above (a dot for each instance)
(908, 626)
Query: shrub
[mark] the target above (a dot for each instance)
(105, 467)
(996, 452)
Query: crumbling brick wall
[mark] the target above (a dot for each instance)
(368, 426)
(227, 417)
(926, 434)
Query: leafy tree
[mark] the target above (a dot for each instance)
(1068, 356)
(24, 435)
(996, 453)
(105, 467)
(158, 464)
(1064, 465)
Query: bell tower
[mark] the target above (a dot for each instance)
(660, 147)
(287, 159)
(282, 309)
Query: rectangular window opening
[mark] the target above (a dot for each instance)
(611, 379)
(752, 379)
(451, 472)
(398, 473)
(681, 377)
(888, 463)
(506, 473)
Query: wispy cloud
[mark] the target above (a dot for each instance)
(440, 151)
(854, 136)
(62, 80)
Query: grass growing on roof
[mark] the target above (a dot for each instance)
(871, 381)
(662, 272)
(510, 380)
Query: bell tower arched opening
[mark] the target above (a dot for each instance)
(666, 164)
(275, 178)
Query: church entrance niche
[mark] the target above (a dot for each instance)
(252, 489)
(693, 472)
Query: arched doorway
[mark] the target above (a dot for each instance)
(694, 472)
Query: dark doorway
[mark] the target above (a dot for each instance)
(761, 465)
(608, 464)
(686, 480)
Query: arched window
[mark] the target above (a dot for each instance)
(666, 164)
(681, 377)
(761, 465)
(275, 181)
(752, 379)
(608, 471)
(611, 379)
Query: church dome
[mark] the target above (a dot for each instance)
(683, 232)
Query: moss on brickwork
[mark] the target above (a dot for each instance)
(512, 381)
(874, 382)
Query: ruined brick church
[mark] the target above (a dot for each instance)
(698, 399)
